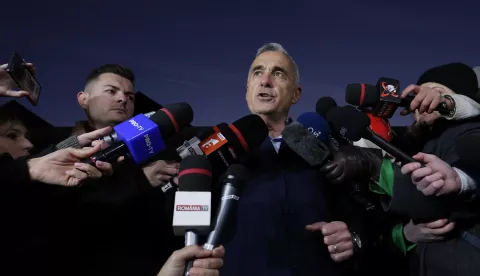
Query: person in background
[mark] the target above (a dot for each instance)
(13, 136)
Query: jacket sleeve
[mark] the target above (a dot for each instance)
(14, 174)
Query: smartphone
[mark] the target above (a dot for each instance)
(24, 78)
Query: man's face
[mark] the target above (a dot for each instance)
(13, 139)
(108, 100)
(271, 87)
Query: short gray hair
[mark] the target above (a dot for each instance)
(276, 47)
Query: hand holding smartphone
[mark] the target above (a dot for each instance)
(23, 76)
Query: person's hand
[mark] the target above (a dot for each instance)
(64, 167)
(426, 100)
(427, 232)
(160, 172)
(86, 139)
(336, 237)
(207, 262)
(436, 178)
(7, 85)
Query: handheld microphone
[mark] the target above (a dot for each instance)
(224, 145)
(229, 143)
(324, 104)
(141, 138)
(234, 180)
(304, 143)
(354, 124)
(384, 103)
(192, 209)
(113, 137)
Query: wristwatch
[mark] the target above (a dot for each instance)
(357, 242)
(454, 108)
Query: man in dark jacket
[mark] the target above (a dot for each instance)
(118, 224)
(286, 223)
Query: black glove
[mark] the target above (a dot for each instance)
(352, 163)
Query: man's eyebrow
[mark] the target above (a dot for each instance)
(256, 67)
(117, 88)
(280, 69)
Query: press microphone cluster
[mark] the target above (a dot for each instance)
(192, 212)
(354, 125)
(383, 99)
(224, 144)
(141, 137)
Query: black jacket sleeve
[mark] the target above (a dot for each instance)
(14, 174)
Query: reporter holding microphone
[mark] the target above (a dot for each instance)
(207, 262)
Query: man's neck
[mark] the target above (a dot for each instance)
(275, 124)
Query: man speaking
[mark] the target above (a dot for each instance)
(286, 223)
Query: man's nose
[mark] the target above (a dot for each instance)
(122, 98)
(266, 80)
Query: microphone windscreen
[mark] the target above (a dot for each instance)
(195, 174)
(250, 131)
(173, 118)
(236, 175)
(360, 94)
(315, 124)
(305, 145)
(381, 127)
(324, 104)
(348, 122)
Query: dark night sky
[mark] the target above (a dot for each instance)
(200, 51)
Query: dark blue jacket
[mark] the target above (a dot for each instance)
(283, 196)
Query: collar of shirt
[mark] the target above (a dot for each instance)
(277, 141)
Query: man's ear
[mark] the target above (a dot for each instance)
(296, 94)
(82, 98)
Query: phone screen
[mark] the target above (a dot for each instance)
(24, 78)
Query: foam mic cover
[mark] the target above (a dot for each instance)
(173, 118)
(358, 127)
(348, 122)
(360, 94)
(250, 131)
(324, 104)
(195, 174)
(315, 124)
(305, 145)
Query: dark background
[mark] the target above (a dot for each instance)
(200, 51)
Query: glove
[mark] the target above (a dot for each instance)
(352, 163)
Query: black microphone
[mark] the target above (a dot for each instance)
(234, 180)
(192, 212)
(354, 125)
(324, 104)
(384, 98)
(141, 137)
(305, 144)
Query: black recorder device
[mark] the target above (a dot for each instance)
(23, 78)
